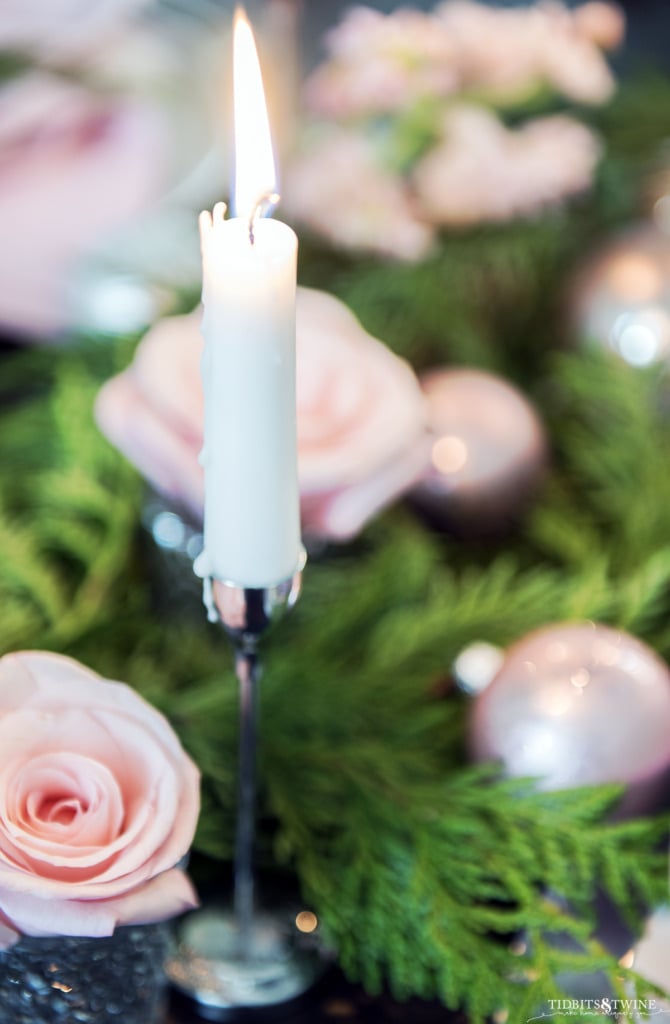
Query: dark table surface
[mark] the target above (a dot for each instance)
(334, 1001)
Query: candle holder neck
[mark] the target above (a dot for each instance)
(246, 613)
(247, 668)
(250, 958)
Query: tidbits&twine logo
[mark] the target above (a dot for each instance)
(643, 1008)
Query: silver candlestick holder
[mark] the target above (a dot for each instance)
(232, 957)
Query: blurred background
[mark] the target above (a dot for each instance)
(116, 128)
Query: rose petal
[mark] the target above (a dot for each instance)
(46, 681)
(8, 935)
(73, 798)
(68, 187)
(159, 899)
(32, 915)
(341, 514)
(163, 897)
(175, 394)
(168, 460)
(63, 29)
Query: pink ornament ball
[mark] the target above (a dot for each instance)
(579, 704)
(620, 299)
(487, 454)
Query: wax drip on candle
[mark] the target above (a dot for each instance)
(208, 599)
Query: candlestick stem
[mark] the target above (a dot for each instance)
(247, 668)
(233, 958)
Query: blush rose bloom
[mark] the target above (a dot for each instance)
(64, 29)
(368, 207)
(361, 439)
(484, 172)
(508, 53)
(381, 63)
(74, 167)
(98, 803)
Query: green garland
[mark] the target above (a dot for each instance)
(427, 874)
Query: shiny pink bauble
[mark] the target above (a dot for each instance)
(620, 300)
(650, 958)
(487, 455)
(578, 704)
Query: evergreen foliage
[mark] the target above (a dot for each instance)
(428, 874)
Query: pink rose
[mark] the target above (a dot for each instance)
(381, 63)
(340, 188)
(74, 167)
(602, 23)
(361, 419)
(98, 803)
(360, 416)
(511, 52)
(63, 29)
(485, 172)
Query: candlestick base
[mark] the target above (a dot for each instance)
(281, 960)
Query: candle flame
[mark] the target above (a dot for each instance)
(255, 174)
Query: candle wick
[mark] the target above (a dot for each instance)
(263, 208)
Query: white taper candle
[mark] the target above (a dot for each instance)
(252, 520)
